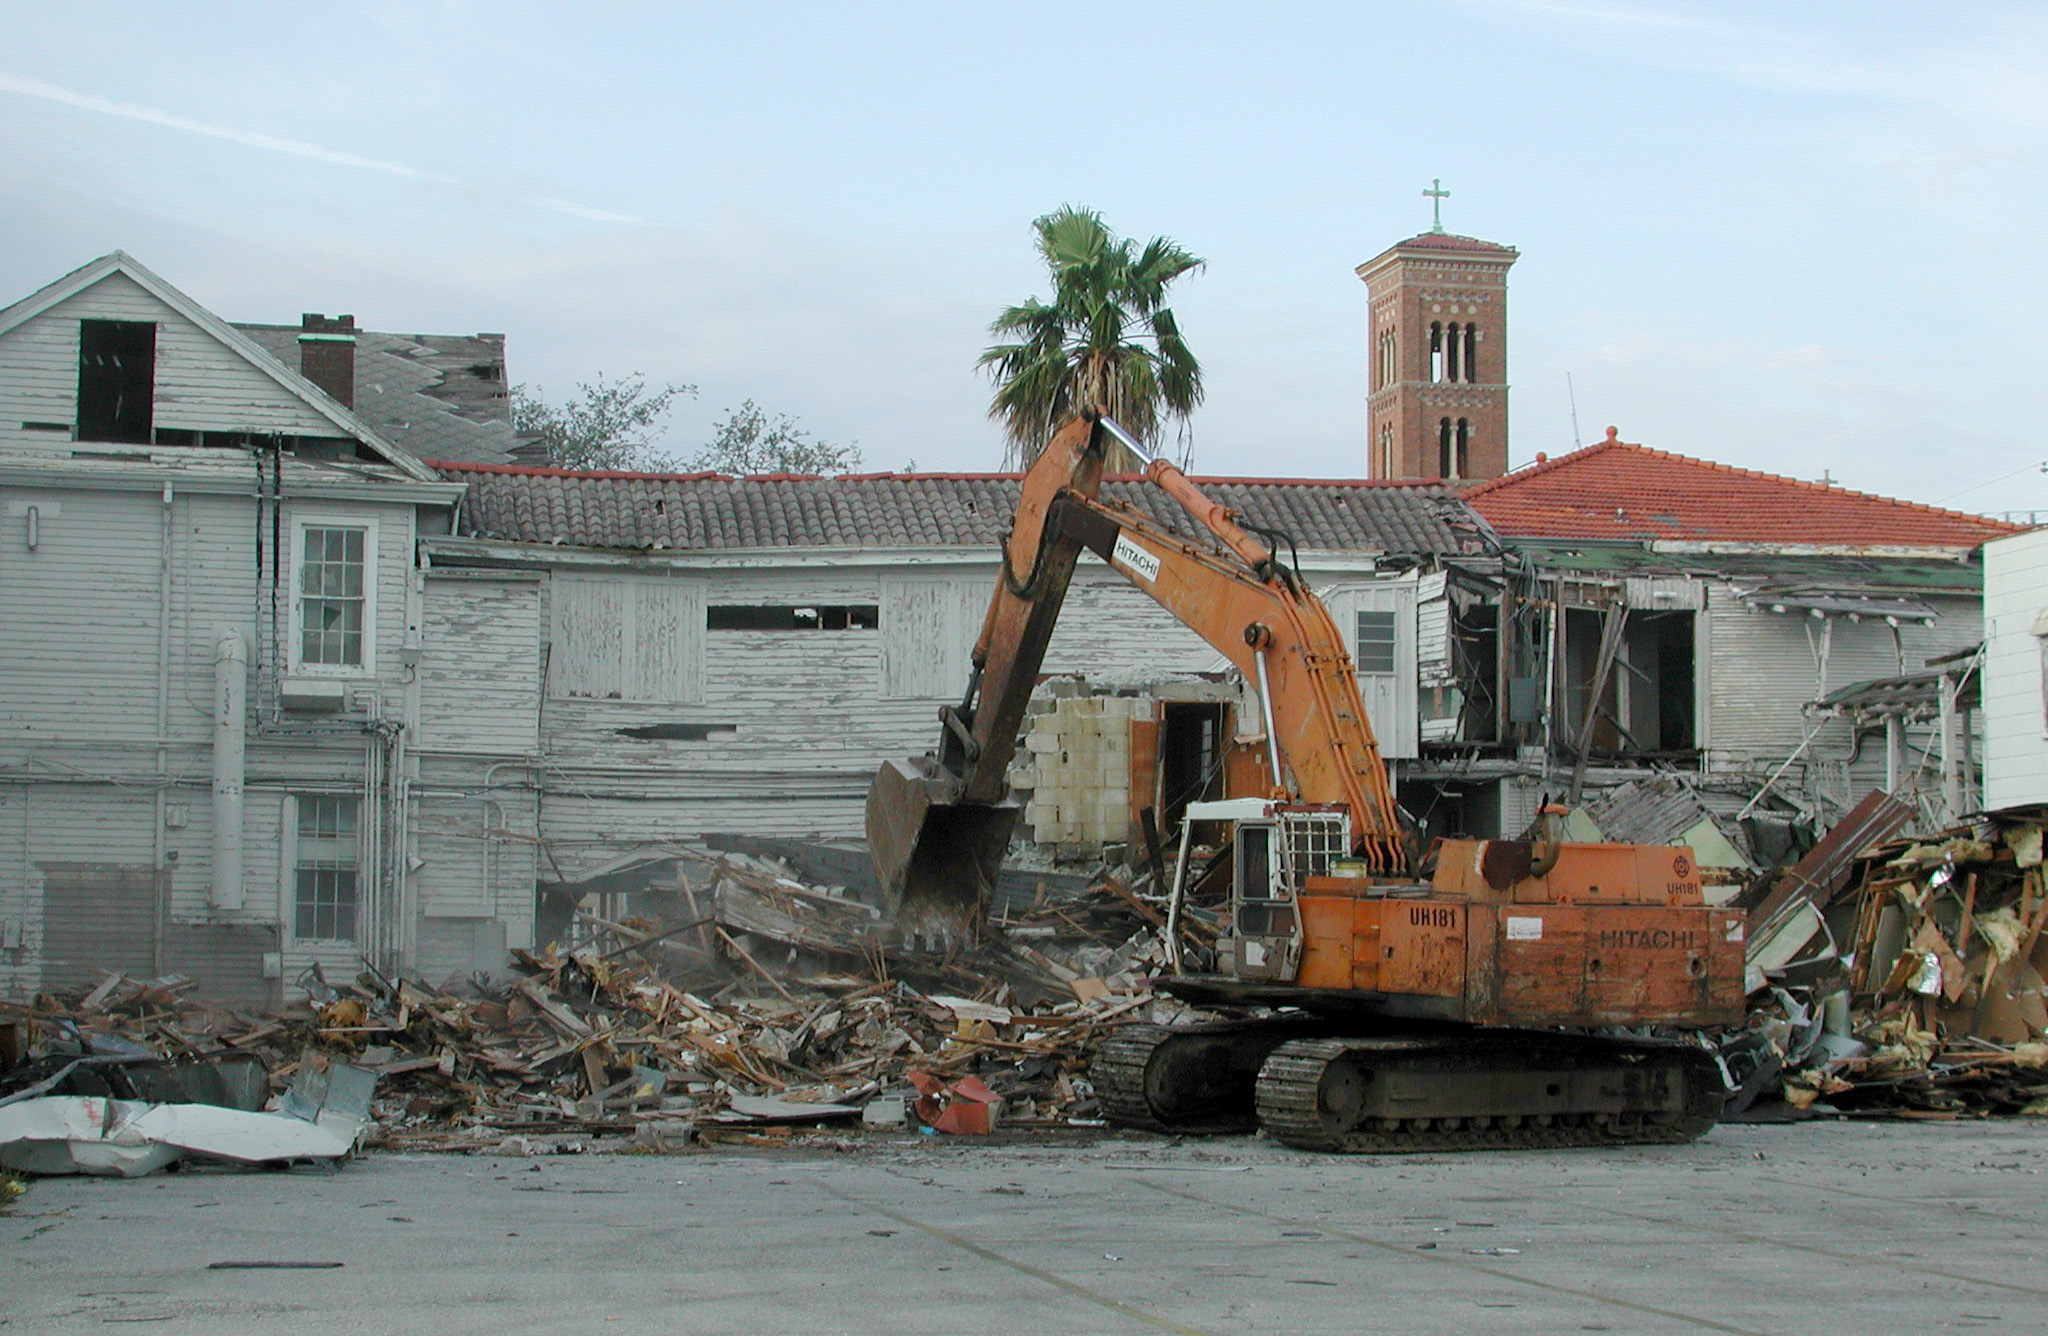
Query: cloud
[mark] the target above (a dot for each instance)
(14, 83)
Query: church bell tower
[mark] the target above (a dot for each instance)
(1439, 402)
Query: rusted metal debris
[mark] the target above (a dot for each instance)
(768, 998)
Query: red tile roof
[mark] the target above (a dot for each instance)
(1451, 241)
(1620, 490)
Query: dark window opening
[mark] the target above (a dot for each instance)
(1646, 702)
(784, 617)
(64, 427)
(1445, 462)
(1453, 355)
(1471, 352)
(116, 380)
(176, 436)
(1190, 756)
(677, 732)
(1658, 663)
(1461, 458)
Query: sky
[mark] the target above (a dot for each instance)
(1803, 237)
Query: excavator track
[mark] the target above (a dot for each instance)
(1492, 1092)
(1195, 1080)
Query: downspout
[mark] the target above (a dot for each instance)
(230, 724)
(163, 725)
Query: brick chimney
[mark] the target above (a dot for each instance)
(327, 355)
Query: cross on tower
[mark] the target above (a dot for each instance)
(1437, 195)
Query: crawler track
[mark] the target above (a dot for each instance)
(1380, 1096)
(1199, 1080)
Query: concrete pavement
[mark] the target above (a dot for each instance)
(1822, 1228)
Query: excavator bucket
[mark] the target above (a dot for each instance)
(937, 857)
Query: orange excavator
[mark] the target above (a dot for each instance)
(1490, 997)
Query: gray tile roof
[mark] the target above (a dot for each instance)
(441, 396)
(695, 512)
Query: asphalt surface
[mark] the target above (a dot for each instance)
(1820, 1228)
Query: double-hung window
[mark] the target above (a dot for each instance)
(324, 887)
(334, 596)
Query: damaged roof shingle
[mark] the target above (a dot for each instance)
(441, 396)
(692, 512)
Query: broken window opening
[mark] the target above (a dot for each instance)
(116, 380)
(1646, 704)
(787, 617)
(1190, 757)
(678, 732)
(325, 857)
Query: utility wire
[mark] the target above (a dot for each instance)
(2042, 466)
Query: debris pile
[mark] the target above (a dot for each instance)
(1918, 991)
(761, 1002)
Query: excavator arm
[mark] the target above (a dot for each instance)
(938, 826)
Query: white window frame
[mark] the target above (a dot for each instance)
(2039, 631)
(295, 638)
(289, 880)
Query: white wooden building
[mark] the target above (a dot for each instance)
(2015, 689)
(210, 648)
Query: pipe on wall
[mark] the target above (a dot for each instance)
(230, 742)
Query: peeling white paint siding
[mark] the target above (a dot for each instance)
(1762, 666)
(476, 815)
(480, 664)
(199, 386)
(143, 556)
(2016, 670)
(1390, 698)
(798, 720)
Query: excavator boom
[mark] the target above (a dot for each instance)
(938, 825)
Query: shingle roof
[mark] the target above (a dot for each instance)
(443, 396)
(1616, 489)
(708, 511)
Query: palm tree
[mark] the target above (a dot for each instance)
(1105, 340)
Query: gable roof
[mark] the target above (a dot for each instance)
(86, 275)
(1616, 489)
(441, 396)
(709, 511)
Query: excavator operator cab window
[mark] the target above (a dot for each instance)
(1255, 861)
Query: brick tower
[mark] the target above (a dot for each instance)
(1439, 404)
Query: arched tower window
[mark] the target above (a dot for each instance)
(1445, 460)
(1436, 351)
(1471, 352)
(1453, 355)
(1384, 466)
(1461, 458)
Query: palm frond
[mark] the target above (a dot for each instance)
(1086, 346)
